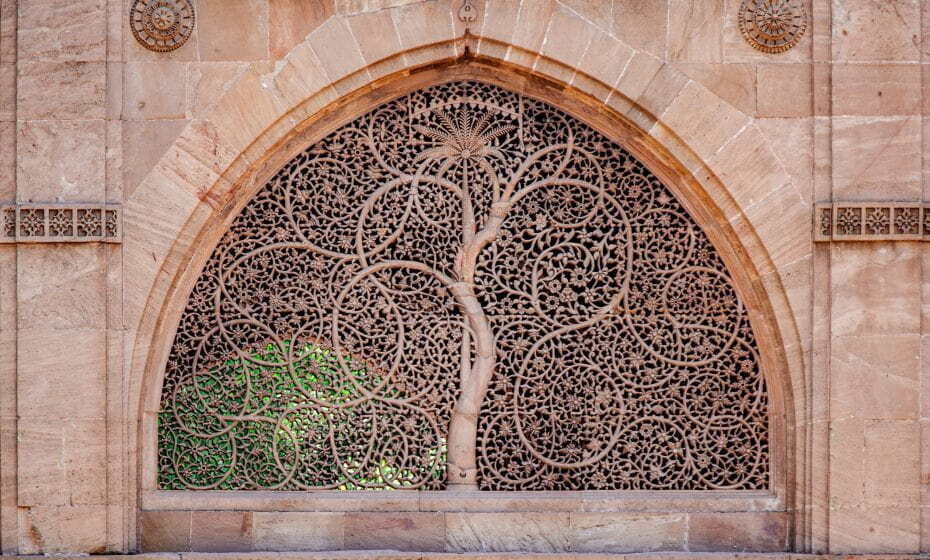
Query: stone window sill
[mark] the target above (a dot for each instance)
(439, 501)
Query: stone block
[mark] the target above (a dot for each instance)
(875, 530)
(221, 531)
(154, 90)
(62, 30)
(40, 479)
(695, 30)
(337, 63)
(734, 83)
(606, 61)
(85, 461)
(298, 530)
(784, 90)
(62, 287)
(165, 531)
(877, 158)
(62, 373)
(144, 144)
(61, 90)
(638, 74)
(865, 30)
(425, 24)
(290, 21)
(208, 82)
(642, 25)
(530, 31)
(874, 288)
(498, 23)
(892, 473)
(7, 160)
(60, 530)
(567, 40)
(8, 31)
(702, 120)
(7, 92)
(847, 463)
(749, 168)
(414, 531)
(875, 376)
(664, 87)
(627, 532)
(738, 532)
(377, 37)
(232, 30)
(791, 141)
(61, 161)
(508, 532)
(876, 89)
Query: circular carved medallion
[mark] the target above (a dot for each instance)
(161, 25)
(772, 26)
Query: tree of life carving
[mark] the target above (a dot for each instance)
(465, 288)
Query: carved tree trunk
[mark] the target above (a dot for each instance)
(462, 468)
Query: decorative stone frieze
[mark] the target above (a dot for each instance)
(872, 221)
(60, 223)
(772, 26)
(162, 25)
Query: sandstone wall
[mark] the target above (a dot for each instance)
(87, 115)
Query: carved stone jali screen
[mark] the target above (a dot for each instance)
(464, 288)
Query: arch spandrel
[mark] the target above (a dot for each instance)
(551, 258)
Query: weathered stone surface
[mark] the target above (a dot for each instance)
(695, 30)
(154, 90)
(642, 25)
(221, 531)
(232, 30)
(282, 531)
(738, 532)
(873, 289)
(627, 532)
(876, 89)
(62, 373)
(62, 30)
(416, 531)
(864, 30)
(207, 82)
(63, 529)
(494, 532)
(784, 90)
(144, 144)
(61, 161)
(290, 21)
(165, 531)
(877, 158)
(889, 361)
(61, 90)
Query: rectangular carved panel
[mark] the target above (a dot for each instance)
(60, 223)
(871, 221)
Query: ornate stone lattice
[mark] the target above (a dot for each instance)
(464, 288)
(772, 26)
(161, 25)
(60, 223)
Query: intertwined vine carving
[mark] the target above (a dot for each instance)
(464, 288)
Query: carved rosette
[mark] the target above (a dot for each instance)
(772, 26)
(465, 287)
(161, 25)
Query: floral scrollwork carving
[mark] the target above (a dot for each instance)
(464, 288)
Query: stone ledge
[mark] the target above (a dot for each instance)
(399, 555)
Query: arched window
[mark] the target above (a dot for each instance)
(465, 288)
